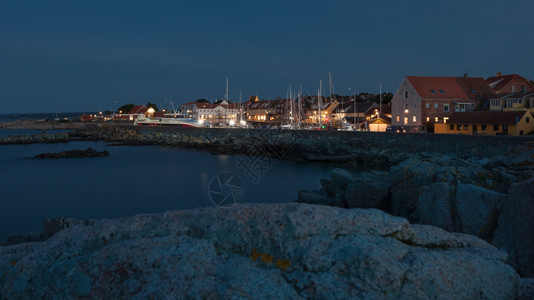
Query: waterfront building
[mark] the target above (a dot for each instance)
(512, 102)
(489, 123)
(425, 100)
(222, 113)
(134, 113)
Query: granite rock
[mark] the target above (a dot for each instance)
(515, 227)
(257, 251)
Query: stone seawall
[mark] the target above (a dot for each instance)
(477, 146)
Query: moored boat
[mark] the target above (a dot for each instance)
(180, 122)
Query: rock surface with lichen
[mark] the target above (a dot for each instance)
(288, 251)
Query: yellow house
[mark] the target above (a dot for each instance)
(489, 122)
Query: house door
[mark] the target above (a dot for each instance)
(504, 129)
(475, 129)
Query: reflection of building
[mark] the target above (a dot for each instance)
(489, 122)
(422, 100)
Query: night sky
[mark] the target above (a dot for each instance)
(97, 55)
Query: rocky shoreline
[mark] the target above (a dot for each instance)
(290, 251)
(481, 186)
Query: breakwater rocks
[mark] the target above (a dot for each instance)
(89, 152)
(366, 148)
(288, 251)
(489, 198)
(42, 137)
(42, 125)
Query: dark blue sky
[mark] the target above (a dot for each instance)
(98, 55)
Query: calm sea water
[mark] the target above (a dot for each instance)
(132, 180)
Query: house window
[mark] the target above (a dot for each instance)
(414, 119)
(405, 120)
(436, 119)
(405, 94)
(446, 107)
(495, 127)
(445, 119)
(527, 120)
(483, 127)
(458, 127)
(451, 126)
(436, 106)
(513, 88)
(405, 106)
(523, 89)
(466, 126)
(441, 91)
(398, 118)
(433, 91)
(427, 106)
(428, 119)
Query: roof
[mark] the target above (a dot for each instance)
(501, 81)
(198, 104)
(364, 107)
(487, 117)
(450, 87)
(138, 109)
(513, 96)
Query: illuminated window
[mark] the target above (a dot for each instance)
(436, 119)
(428, 119)
(398, 118)
(414, 119)
(466, 126)
(445, 119)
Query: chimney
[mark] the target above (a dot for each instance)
(499, 74)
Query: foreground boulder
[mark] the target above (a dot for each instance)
(462, 208)
(515, 230)
(258, 251)
(344, 189)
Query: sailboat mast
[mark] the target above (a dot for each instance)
(300, 106)
(290, 106)
(380, 107)
(226, 95)
(319, 103)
